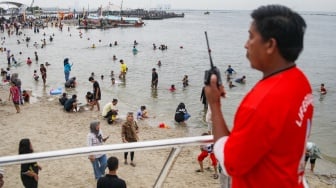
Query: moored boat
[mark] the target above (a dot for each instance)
(110, 21)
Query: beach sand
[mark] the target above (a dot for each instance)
(50, 128)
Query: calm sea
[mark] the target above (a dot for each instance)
(227, 32)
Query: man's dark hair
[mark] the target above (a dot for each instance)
(284, 25)
(91, 78)
(112, 163)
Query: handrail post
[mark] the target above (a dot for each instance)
(175, 151)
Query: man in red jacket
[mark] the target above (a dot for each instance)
(266, 146)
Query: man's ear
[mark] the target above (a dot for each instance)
(271, 45)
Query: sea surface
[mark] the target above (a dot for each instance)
(187, 54)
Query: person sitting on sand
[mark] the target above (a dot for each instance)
(89, 98)
(110, 111)
(71, 104)
(63, 99)
(142, 113)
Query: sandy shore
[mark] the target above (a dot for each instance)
(50, 128)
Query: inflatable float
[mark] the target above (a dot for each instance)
(56, 91)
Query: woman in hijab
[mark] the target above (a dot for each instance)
(67, 69)
(95, 138)
(129, 133)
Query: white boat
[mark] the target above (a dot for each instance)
(94, 21)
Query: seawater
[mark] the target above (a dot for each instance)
(186, 55)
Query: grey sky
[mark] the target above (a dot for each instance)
(299, 5)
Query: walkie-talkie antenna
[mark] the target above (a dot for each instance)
(209, 50)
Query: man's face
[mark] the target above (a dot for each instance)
(256, 48)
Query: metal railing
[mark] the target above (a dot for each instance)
(175, 143)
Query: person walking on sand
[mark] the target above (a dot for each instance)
(129, 133)
(17, 81)
(43, 71)
(14, 94)
(266, 145)
(95, 138)
(67, 68)
(111, 179)
(207, 150)
(96, 93)
(29, 171)
(312, 152)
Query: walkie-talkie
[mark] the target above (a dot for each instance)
(213, 69)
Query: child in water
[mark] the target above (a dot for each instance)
(172, 88)
(26, 96)
(35, 76)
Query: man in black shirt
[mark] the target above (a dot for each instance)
(111, 179)
(71, 104)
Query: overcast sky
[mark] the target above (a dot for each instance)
(298, 5)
